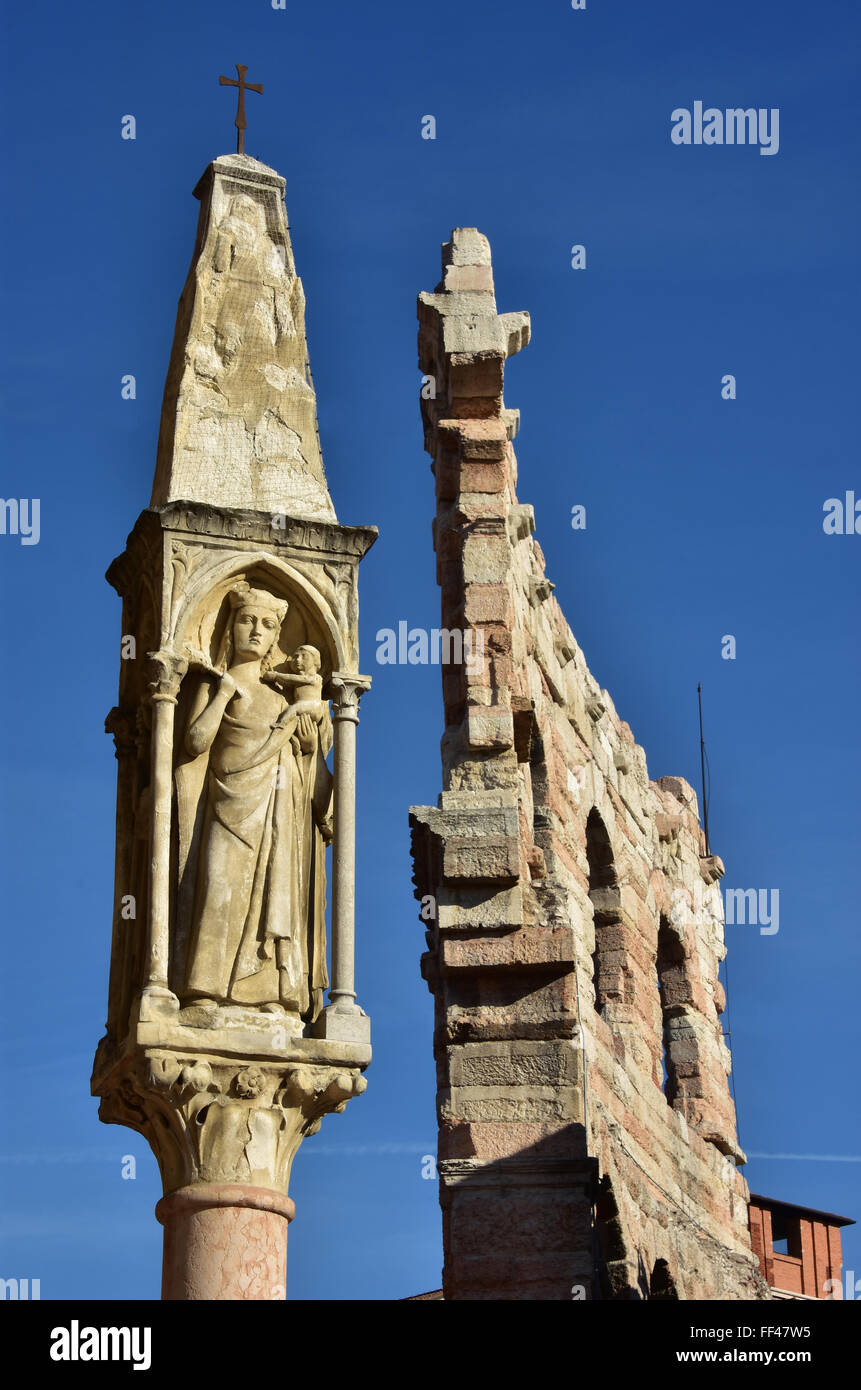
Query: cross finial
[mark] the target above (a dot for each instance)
(240, 122)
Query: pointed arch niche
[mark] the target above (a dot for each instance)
(610, 967)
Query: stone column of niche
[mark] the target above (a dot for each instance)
(225, 1131)
(122, 725)
(167, 672)
(224, 1242)
(342, 1018)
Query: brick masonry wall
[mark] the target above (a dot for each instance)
(574, 922)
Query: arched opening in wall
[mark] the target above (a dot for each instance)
(535, 789)
(669, 966)
(662, 1284)
(614, 1271)
(608, 957)
(531, 753)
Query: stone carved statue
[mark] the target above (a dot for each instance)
(253, 793)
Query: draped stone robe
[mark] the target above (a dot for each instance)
(252, 862)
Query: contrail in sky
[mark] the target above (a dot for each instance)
(812, 1158)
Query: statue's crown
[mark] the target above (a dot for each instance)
(242, 595)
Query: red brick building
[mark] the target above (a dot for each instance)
(798, 1248)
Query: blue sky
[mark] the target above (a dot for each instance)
(704, 516)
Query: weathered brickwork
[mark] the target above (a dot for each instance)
(575, 924)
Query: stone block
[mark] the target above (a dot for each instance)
(343, 1025)
(477, 381)
(474, 333)
(468, 246)
(530, 948)
(464, 909)
(487, 603)
(486, 559)
(475, 440)
(490, 477)
(473, 278)
(490, 728)
(486, 860)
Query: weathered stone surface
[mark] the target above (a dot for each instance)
(239, 423)
(575, 957)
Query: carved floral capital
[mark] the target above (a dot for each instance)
(221, 1120)
(345, 692)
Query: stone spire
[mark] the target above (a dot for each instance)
(239, 420)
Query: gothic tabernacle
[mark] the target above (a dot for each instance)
(240, 618)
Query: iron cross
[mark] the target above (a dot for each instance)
(240, 122)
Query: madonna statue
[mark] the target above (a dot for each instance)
(254, 795)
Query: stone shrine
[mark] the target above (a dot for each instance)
(239, 627)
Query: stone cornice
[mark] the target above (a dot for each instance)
(320, 540)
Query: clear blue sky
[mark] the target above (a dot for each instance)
(704, 515)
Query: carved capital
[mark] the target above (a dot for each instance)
(345, 692)
(213, 1119)
(165, 671)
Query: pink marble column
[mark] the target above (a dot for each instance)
(224, 1241)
